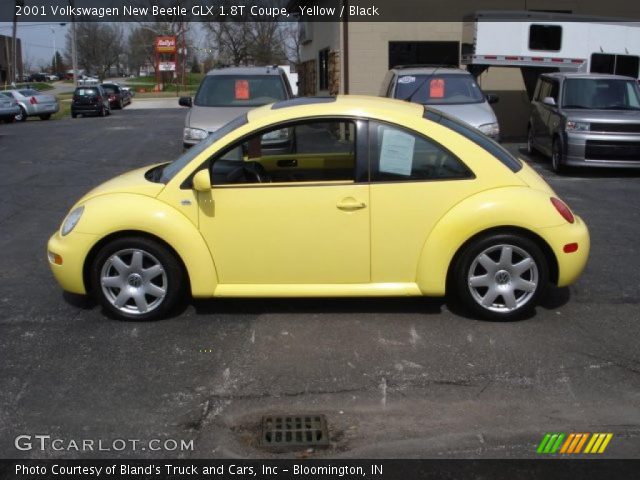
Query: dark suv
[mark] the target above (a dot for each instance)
(92, 100)
(118, 96)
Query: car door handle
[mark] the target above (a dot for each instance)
(350, 204)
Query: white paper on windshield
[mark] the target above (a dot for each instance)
(396, 154)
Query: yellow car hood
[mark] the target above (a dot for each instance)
(130, 182)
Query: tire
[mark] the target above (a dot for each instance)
(22, 116)
(45, 117)
(74, 115)
(108, 111)
(120, 104)
(485, 280)
(557, 156)
(531, 150)
(123, 282)
(103, 112)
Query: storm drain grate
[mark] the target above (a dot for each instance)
(294, 431)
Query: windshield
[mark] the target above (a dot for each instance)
(440, 89)
(239, 90)
(171, 169)
(601, 94)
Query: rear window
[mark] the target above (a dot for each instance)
(439, 89)
(239, 90)
(477, 137)
(83, 92)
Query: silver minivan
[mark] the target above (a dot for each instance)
(450, 90)
(225, 93)
(586, 119)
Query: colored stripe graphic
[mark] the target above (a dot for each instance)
(573, 443)
(550, 443)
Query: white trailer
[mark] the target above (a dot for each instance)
(538, 42)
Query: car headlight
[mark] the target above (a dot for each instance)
(490, 129)
(577, 126)
(195, 134)
(71, 221)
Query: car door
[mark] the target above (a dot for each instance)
(537, 111)
(287, 207)
(415, 180)
(551, 115)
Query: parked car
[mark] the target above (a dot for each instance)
(226, 93)
(34, 103)
(8, 107)
(378, 198)
(450, 90)
(118, 96)
(586, 120)
(90, 100)
(38, 77)
(131, 91)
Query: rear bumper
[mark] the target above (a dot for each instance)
(86, 108)
(570, 265)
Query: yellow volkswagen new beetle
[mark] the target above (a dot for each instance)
(348, 196)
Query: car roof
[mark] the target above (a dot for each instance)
(351, 105)
(270, 70)
(605, 76)
(418, 70)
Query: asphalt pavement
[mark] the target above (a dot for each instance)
(394, 377)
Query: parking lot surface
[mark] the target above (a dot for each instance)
(395, 377)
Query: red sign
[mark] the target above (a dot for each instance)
(436, 88)
(242, 89)
(165, 44)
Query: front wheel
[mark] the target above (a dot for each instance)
(531, 149)
(557, 156)
(500, 277)
(137, 279)
(22, 116)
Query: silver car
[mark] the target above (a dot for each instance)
(226, 93)
(8, 107)
(34, 103)
(450, 90)
(586, 119)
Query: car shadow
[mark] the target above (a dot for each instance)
(257, 306)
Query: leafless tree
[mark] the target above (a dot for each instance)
(99, 46)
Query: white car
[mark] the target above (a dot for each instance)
(85, 80)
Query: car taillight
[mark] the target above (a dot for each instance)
(563, 210)
(33, 100)
(112, 97)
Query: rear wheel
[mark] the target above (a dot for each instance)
(500, 276)
(136, 278)
(103, 111)
(22, 116)
(531, 150)
(557, 156)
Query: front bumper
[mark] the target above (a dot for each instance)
(591, 149)
(570, 265)
(73, 250)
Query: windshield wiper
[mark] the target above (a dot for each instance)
(574, 106)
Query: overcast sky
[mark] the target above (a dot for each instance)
(37, 40)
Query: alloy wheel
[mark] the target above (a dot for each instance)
(133, 281)
(503, 278)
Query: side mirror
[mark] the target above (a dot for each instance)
(185, 102)
(549, 101)
(492, 98)
(202, 181)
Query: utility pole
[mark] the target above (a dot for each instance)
(13, 71)
(74, 55)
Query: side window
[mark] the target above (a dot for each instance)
(545, 89)
(553, 90)
(545, 37)
(310, 151)
(402, 155)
